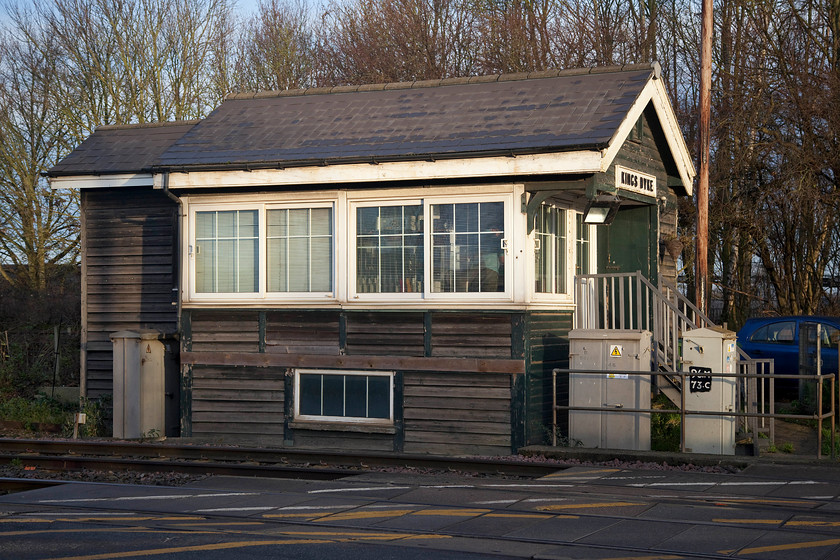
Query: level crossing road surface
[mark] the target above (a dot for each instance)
(767, 512)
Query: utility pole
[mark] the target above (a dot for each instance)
(702, 242)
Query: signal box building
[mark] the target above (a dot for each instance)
(384, 267)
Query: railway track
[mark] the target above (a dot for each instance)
(66, 455)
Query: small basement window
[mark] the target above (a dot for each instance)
(344, 396)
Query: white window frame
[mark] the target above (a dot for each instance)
(568, 295)
(352, 254)
(262, 294)
(298, 417)
(427, 203)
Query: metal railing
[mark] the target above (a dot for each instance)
(750, 387)
(631, 301)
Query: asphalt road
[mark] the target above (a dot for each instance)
(768, 511)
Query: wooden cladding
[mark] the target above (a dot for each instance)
(457, 415)
(129, 246)
(343, 333)
(243, 402)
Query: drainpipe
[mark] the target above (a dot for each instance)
(178, 248)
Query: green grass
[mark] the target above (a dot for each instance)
(664, 426)
(35, 411)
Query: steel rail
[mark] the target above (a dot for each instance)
(168, 457)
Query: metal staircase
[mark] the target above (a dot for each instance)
(630, 301)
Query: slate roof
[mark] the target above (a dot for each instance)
(462, 117)
(122, 149)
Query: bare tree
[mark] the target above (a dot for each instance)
(38, 227)
(372, 41)
(277, 48)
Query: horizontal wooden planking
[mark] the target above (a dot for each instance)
(394, 334)
(237, 431)
(500, 415)
(477, 429)
(238, 417)
(315, 332)
(252, 395)
(310, 439)
(468, 413)
(274, 407)
(456, 436)
(444, 392)
(418, 379)
(456, 366)
(457, 449)
(231, 331)
(471, 334)
(129, 270)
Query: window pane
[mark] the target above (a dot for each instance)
(227, 245)
(205, 279)
(550, 252)
(367, 221)
(299, 222)
(277, 265)
(356, 398)
(472, 260)
(390, 220)
(321, 265)
(492, 263)
(333, 395)
(226, 266)
(443, 218)
(299, 264)
(582, 266)
(492, 216)
(277, 222)
(466, 217)
(321, 222)
(300, 261)
(247, 279)
(379, 397)
(205, 225)
(387, 255)
(310, 394)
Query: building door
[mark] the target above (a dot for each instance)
(629, 243)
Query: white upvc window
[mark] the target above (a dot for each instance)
(299, 244)
(584, 257)
(441, 247)
(344, 396)
(389, 241)
(227, 251)
(261, 251)
(551, 230)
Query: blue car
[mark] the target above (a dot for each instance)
(778, 338)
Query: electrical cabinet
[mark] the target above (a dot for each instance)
(615, 356)
(707, 351)
(139, 385)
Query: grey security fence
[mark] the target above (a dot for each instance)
(753, 408)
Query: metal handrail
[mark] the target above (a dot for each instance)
(819, 415)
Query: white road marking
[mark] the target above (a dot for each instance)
(744, 483)
(140, 498)
(492, 502)
(212, 510)
(369, 489)
(527, 485)
(310, 508)
(71, 514)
